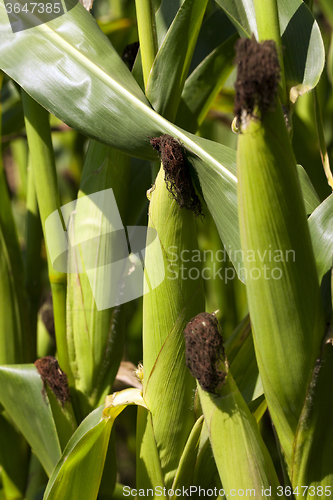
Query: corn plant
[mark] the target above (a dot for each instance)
(191, 128)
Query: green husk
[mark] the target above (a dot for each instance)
(282, 283)
(168, 387)
(240, 454)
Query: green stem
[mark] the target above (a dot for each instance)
(19, 150)
(268, 24)
(33, 259)
(45, 176)
(147, 35)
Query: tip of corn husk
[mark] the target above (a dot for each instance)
(258, 75)
(205, 355)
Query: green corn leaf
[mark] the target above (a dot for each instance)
(15, 345)
(185, 471)
(284, 301)
(215, 30)
(12, 113)
(81, 49)
(14, 460)
(258, 407)
(320, 224)
(204, 84)
(13, 308)
(234, 343)
(38, 479)
(172, 62)
(109, 477)
(240, 454)
(148, 464)
(205, 473)
(244, 370)
(240, 353)
(310, 196)
(304, 54)
(63, 416)
(79, 471)
(21, 393)
(241, 14)
(165, 14)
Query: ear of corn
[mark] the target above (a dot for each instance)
(240, 454)
(312, 450)
(95, 329)
(281, 278)
(168, 387)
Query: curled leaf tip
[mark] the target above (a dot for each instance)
(116, 402)
(177, 173)
(205, 352)
(258, 75)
